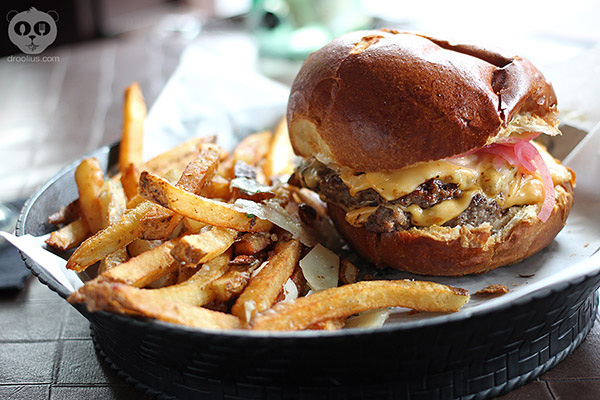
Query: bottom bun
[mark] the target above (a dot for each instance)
(461, 250)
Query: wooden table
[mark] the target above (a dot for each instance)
(50, 114)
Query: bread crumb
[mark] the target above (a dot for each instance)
(493, 290)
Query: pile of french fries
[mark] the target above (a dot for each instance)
(172, 240)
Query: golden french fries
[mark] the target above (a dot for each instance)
(200, 208)
(217, 188)
(263, 289)
(197, 290)
(90, 179)
(233, 282)
(115, 258)
(280, 156)
(69, 236)
(161, 222)
(252, 243)
(132, 139)
(176, 158)
(130, 177)
(106, 241)
(113, 203)
(158, 223)
(200, 171)
(124, 299)
(145, 268)
(194, 249)
(350, 299)
(172, 245)
(253, 148)
(67, 214)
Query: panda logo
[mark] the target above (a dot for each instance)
(32, 31)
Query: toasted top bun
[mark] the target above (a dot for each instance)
(383, 100)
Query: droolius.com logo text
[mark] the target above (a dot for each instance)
(32, 31)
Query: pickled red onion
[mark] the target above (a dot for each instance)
(506, 151)
(531, 159)
(522, 153)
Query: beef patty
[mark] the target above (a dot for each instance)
(390, 216)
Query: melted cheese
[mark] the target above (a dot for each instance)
(441, 212)
(394, 184)
(505, 184)
(527, 189)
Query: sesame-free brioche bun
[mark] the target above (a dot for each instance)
(376, 113)
(460, 250)
(382, 100)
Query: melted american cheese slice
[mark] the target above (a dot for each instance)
(505, 184)
(441, 212)
(394, 184)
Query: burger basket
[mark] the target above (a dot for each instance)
(471, 355)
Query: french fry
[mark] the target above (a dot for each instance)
(210, 211)
(299, 282)
(263, 289)
(160, 222)
(280, 156)
(217, 188)
(176, 158)
(200, 171)
(108, 240)
(90, 179)
(344, 301)
(193, 226)
(252, 243)
(135, 201)
(202, 247)
(164, 281)
(139, 246)
(226, 168)
(129, 179)
(197, 290)
(113, 203)
(185, 273)
(67, 214)
(132, 138)
(146, 268)
(69, 236)
(115, 258)
(252, 148)
(233, 282)
(120, 298)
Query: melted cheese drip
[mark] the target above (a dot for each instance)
(441, 212)
(394, 184)
(505, 184)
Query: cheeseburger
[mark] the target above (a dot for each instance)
(423, 150)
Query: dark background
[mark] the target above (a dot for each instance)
(78, 19)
